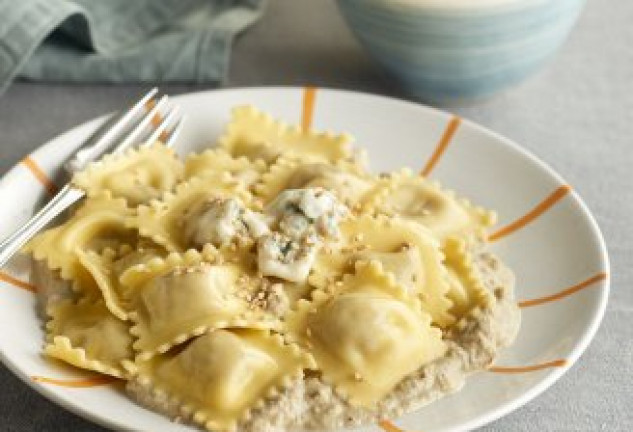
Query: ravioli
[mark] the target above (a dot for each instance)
(86, 335)
(366, 361)
(417, 199)
(346, 180)
(467, 290)
(109, 268)
(138, 176)
(272, 282)
(394, 242)
(219, 164)
(187, 301)
(99, 223)
(257, 136)
(222, 373)
(164, 221)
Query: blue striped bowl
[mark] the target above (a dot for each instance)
(446, 53)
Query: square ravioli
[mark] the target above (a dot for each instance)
(219, 375)
(366, 335)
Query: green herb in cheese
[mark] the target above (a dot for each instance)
(220, 221)
(300, 211)
(281, 256)
(302, 219)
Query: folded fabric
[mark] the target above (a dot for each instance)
(120, 40)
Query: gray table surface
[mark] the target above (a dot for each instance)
(576, 114)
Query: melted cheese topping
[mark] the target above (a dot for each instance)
(283, 257)
(298, 212)
(172, 222)
(303, 218)
(220, 221)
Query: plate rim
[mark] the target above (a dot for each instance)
(89, 126)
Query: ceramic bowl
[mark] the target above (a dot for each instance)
(447, 51)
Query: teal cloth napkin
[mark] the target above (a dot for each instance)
(120, 40)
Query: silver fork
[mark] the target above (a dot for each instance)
(133, 127)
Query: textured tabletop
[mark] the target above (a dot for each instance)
(576, 114)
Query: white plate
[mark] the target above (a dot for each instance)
(557, 250)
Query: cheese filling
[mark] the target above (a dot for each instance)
(220, 221)
(302, 219)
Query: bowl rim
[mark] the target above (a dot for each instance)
(452, 6)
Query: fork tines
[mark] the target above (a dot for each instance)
(150, 119)
(156, 121)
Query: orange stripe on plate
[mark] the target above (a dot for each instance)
(564, 293)
(531, 368)
(156, 120)
(309, 97)
(40, 175)
(163, 137)
(157, 117)
(538, 210)
(16, 282)
(388, 426)
(447, 136)
(78, 383)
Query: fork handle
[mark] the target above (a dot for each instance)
(67, 196)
